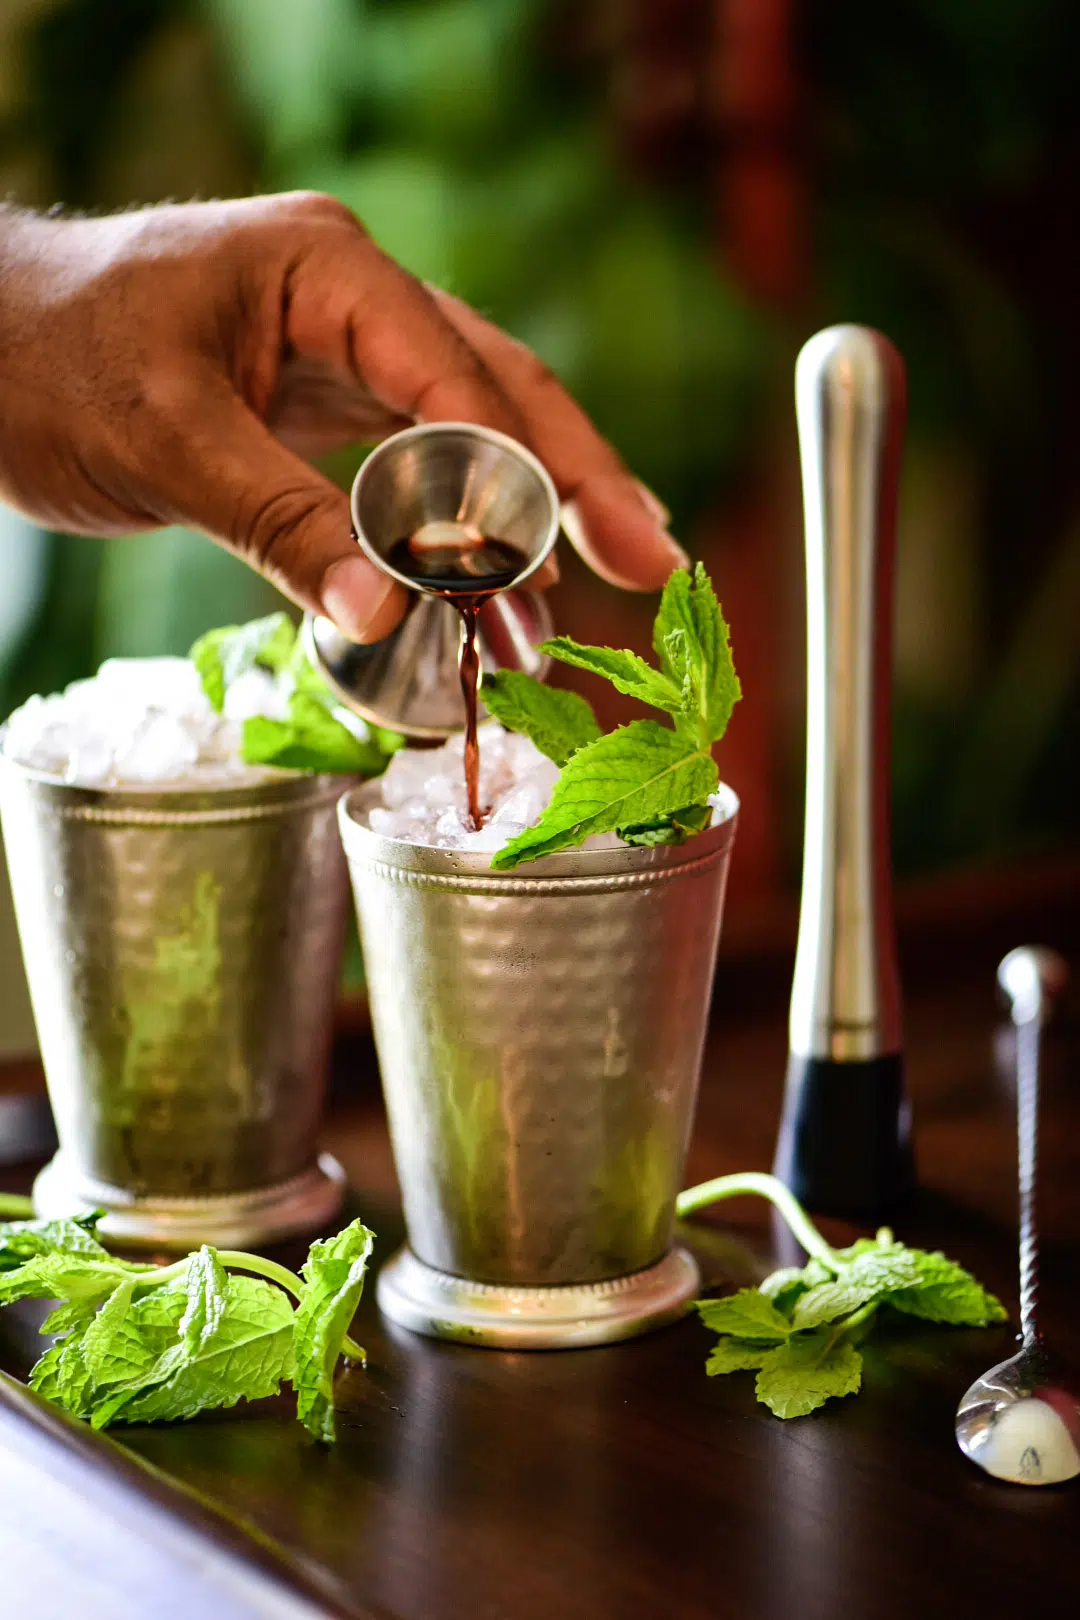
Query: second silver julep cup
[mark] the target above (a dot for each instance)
(183, 954)
(539, 1035)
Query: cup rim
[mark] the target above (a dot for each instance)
(362, 843)
(273, 786)
(503, 441)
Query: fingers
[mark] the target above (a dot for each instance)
(352, 307)
(614, 522)
(231, 478)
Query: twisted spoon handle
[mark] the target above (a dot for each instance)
(1028, 1036)
(1030, 976)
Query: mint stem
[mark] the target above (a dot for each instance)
(264, 1268)
(762, 1186)
(15, 1206)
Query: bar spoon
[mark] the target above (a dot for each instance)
(1020, 1421)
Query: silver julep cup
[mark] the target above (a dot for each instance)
(540, 1035)
(183, 951)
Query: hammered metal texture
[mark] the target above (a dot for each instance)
(182, 951)
(539, 1036)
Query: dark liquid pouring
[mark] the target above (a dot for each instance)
(464, 575)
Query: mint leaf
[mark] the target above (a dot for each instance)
(333, 1282)
(74, 1313)
(673, 829)
(627, 672)
(736, 1355)
(558, 722)
(784, 1285)
(872, 1273)
(57, 1275)
(808, 1318)
(807, 1371)
(311, 739)
(747, 1315)
(242, 1352)
(632, 775)
(945, 1292)
(61, 1376)
(221, 656)
(22, 1240)
(145, 1344)
(313, 736)
(690, 606)
(127, 1347)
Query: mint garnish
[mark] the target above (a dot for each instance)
(799, 1329)
(316, 734)
(558, 722)
(143, 1344)
(647, 782)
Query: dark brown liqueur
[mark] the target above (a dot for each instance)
(469, 671)
(465, 575)
(468, 570)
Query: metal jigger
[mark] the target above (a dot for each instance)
(454, 474)
(844, 1144)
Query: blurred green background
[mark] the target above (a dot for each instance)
(665, 200)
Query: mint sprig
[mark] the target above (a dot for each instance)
(647, 782)
(558, 722)
(799, 1329)
(143, 1344)
(317, 734)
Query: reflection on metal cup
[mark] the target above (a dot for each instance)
(540, 1036)
(183, 952)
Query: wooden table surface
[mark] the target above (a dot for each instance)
(622, 1483)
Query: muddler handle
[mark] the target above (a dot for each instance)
(844, 1144)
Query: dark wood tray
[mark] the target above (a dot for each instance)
(622, 1483)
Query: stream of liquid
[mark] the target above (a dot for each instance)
(464, 574)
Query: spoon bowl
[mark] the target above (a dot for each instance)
(1021, 1422)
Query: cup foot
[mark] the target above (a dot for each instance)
(418, 1297)
(239, 1220)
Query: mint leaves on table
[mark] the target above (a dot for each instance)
(318, 734)
(333, 1280)
(645, 781)
(143, 1344)
(799, 1329)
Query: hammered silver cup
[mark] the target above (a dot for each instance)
(183, 952)
(540, 1036)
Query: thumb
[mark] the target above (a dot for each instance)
(243, 488)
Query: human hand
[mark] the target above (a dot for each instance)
(175, 364)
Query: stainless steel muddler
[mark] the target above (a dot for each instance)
(844, 1143)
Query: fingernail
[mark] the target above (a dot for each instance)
(547, 574)
(653, 504)
(679, 558)
(354, 595)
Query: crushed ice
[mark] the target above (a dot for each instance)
(423, 794)
(141, 722)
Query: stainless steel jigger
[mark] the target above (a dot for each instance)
(464, 478)
(844, 1145)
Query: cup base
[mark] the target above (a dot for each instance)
(572, 1317)
(239, 1220)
